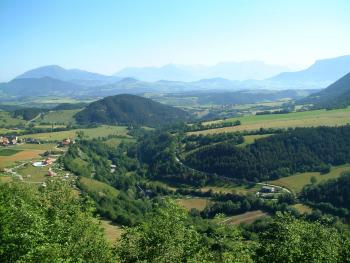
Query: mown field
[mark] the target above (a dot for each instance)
(8, 152)
(90, 133)
(197, 203)
(33, 174)
(247, 218)
(116, 141)
(97, 187)
(295, 119)
(7, 120)
(249, 139)
(298, 181)
(303, 209)
(63, 117)
(112, 232)
(232, 189)
(25, 155)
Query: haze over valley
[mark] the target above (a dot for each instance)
(175, 131)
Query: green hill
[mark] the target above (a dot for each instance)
(337, 95)
(130, 109)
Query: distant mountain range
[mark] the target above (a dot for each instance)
(57, 81)
(76, 76)
(321, 74)
(337, 95)
(229, 70)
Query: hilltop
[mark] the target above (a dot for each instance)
(337, 95)
(130, 109)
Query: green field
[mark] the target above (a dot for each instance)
(303, 209)
(190, 203)
(25, 155)
(246, 218)
(249, 139)
(116, 141)
(31, 173)
(298, 181)
(7, 120)
(233, 189)
(29, 146)
(112, 232)
(97, 187)
(295, 119)
(101, 131)
(8, 152)
(63, 117)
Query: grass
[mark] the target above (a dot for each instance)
(8, 152)
(296, 182)
(296, 119)
(197, 203)
(112, 232)
(5, 179)
(58, 117)
(303, 209)
(246, 218)
(33, 174)
(29, 146)
(102, 131)
(233, 189)
(25, 155)
(6, 119)
(94, 186)
(249, 139)
(114, 142)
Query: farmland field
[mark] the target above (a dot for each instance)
(234, 189)
(247, 218)
(8, 152)
(29, 146)
(58, 117)
(116, 141)
(7, 120)
(113, 232)
(298, 181)
(295, 119)
(96, 187)
(249, 139)
(101, 131)
(303, 209)
(25, 155)
(33, 174)
(197, 203)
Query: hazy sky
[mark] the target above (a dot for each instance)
(105, 36)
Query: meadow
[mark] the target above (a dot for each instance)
(97, 187)
(249, 139)
(296, 182)
(6, 120)
(63, 117)
(8, 152)
(246, 218)
(25, 155)
(190, 203)
(90, 133)
(112, 232)
(295, 119)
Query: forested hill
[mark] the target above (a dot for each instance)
(130, 109)
(300, 150)
(337, 95)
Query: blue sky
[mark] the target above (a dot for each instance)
(105, 36)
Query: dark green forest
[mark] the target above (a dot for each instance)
(130, 110)
(299, 150)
